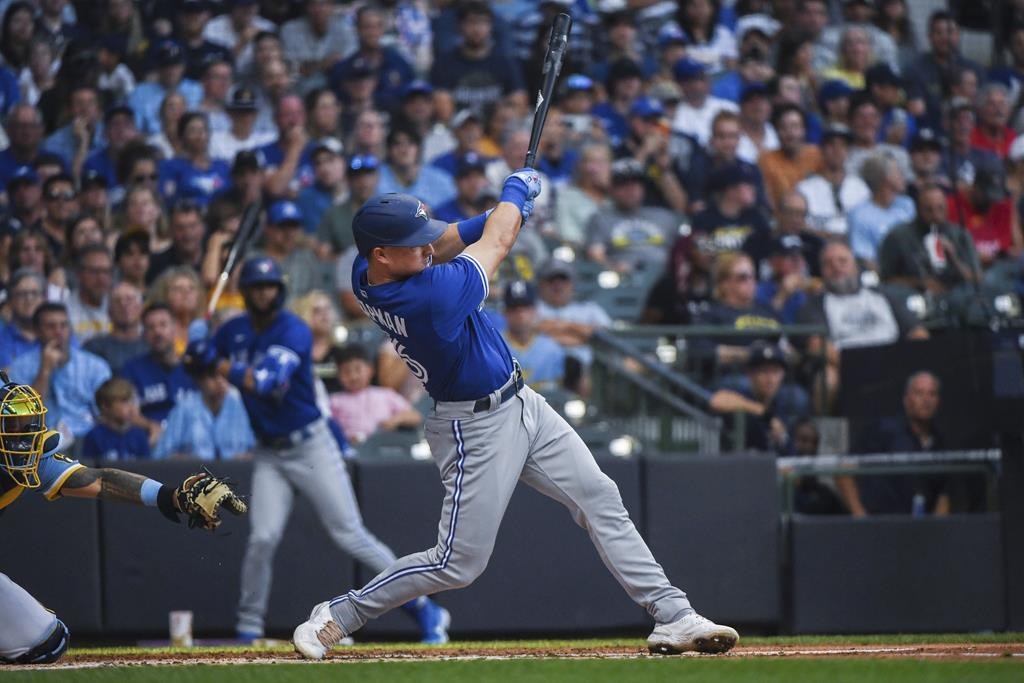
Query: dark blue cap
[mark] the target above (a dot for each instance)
(752, 90)
(394, 220)
(23, 175)
(469, 162)
(730, 175)
(882, 74)
(417, 87)
(579, 82)
(285, 211)
(114, 42)
(520, 293)
(167, 52)
(833, 90)
(363, 163)
(119, 108)
(688, 68)
(671, 34)
(764, 353)
(359, 68)
(646, 107)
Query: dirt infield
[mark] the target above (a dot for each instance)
(943, 651)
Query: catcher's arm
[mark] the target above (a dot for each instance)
(200, 496)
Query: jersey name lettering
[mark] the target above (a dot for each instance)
(394, 323)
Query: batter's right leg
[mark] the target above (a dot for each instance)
(269, 507)
(29, 633)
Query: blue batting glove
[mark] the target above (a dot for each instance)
(520, 186)
(527, 210)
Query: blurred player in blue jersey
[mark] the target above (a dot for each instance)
(30, 459)
(266, 353)
(424, 283)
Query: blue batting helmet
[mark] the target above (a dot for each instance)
(262, 270)
(394, 220)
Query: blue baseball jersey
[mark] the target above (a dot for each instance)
(180, 179)
(281, 360)
(54, 470)
(159, 387)
(271, 156)
(105, 443)
(436, 322)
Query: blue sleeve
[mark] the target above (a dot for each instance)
(90, 445)
(169, 171)
(55, 467)
(456, 290)
(140, 444)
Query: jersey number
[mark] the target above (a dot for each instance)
(417, 370)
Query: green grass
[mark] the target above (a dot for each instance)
(564, 671)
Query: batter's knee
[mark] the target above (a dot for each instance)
(262, 545)
(465, 568)
(51, 649)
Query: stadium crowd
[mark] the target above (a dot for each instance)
(747, 165)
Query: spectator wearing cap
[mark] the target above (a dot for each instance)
(630, 235)
(216, 83)
(722, 151)
(237, 29)
(391, 70)
(191, 19)
(419, 111)
(24, 126)
(145, 100)
(961, 160)
(118, 131)
(624, 85)
(834, 102)
(785, 289)
(316, 41)
(476, 74)
(930, 76)
(833, 192)
(328, 183)
(926, 162)
(335, 229)
(757, 132)
(865, 124)
(84, 132)
(470, 183)
(26, 291)
(671, 45)
(794, 160)
(540, 356)
(570, 323)
(929, 254)
(287, 162)
(754, 68)
(791, 220)
(731, 216)
(858, 14)
(355, 88)
(468, 128)
(623, 44)
(193, 175)
(711, 43)
(648, 143)
(888, 207)
(698, 108)
(989, 216)
(885, 88)
(405, 171)
(24, 202)
(756, 34)
(94, 200)
(241, 135)
(281, 241)
(992, 134)
(587, 194)
(576, 102)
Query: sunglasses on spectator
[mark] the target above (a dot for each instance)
(149, 177)
(65, 196)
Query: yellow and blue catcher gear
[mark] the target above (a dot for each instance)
(23, 433)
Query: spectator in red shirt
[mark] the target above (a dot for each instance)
(991, 132)
(987, 214)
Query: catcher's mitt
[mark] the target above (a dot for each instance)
(201, 495)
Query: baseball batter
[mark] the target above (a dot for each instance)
(424, 283)
(267, 354)
(30, 458)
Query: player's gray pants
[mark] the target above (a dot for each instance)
(481, 457)
(314, 469)
(24, 623)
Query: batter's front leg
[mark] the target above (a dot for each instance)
(562, 467)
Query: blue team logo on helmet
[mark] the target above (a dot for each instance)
(262, 270)
(394, 220)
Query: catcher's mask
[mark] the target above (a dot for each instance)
(22, 433)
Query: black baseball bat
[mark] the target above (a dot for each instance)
(247, 231)
(552, 66)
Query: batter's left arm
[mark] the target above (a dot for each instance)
(448, 245)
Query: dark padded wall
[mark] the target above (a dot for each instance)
(52, 550)
(712, 523)
(178, 568)
(544, 574)
(889, 575)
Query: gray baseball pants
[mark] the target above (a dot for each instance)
(482, 456)
(24, 623)
(315, 469)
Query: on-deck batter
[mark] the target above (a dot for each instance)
(420, 282)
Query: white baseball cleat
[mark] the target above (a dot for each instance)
(692, 633)
(314, 637)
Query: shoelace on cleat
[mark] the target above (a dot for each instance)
(330, 635)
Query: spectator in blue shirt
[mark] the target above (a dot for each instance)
(25, 291)
(328, 186)
(117, 434)
(24, 127)
(157, 375)
(541, 357)
(888, 207)
(625, 81)
(470, 183)
(84, 133)
(405, 172)
(66, 377)
(118, 130)
(391, 69)
(194, 175)
(210, 424)
(287, 162)
(145, 100)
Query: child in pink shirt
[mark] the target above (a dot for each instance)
(362, 409)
